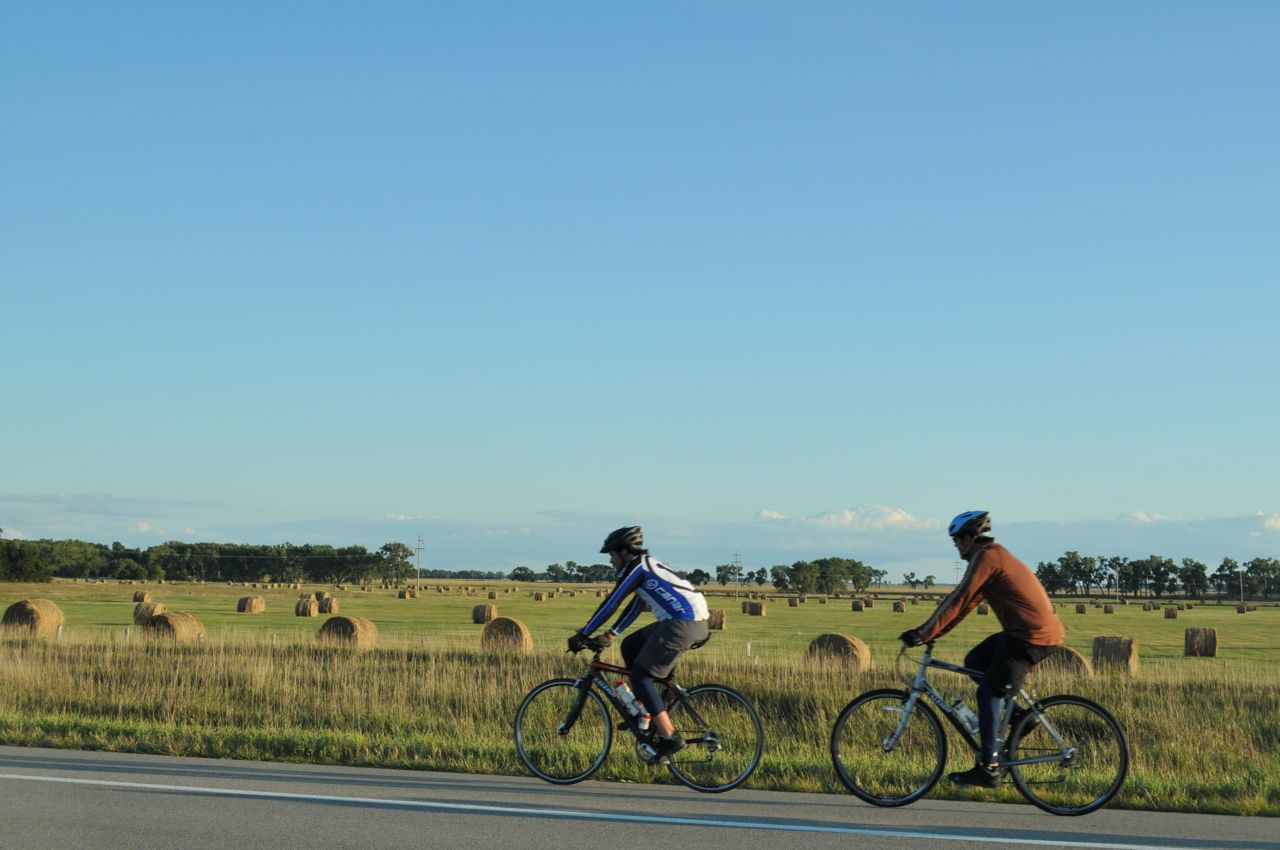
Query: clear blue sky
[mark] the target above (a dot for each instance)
(785, 280)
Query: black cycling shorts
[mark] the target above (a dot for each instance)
(655, 648)
(1006, 660)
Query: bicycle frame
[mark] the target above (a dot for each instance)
(597, 674)
(920, 685)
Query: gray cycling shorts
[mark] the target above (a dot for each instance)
(664, 642)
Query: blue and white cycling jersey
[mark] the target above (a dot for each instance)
(657, 588)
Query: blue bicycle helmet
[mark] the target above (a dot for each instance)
(970, 522)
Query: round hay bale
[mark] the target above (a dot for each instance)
(406, 593)
(717, 618)
(329, 605)
(1108, 609)
(40, 617)
(349, 631)
(493, 594)
(842, 649)
(856, 605)
(539, 596)
(1200, 643)
(251, 604)
(983, 609)
(793, 602)
(175, 625)
(1064, 659)
(321, 594)
(506, 634)
(746, 607)
(141, 596)
(307, 607)
(1171, 613)
(144, 611)
(1081, 607)
(868, 602)
(1115, 654)
(822, 600)
(899, 607)
(484, 613)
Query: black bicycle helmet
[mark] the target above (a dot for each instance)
(970, 522)
(629, 537)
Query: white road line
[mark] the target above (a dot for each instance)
(586, 815)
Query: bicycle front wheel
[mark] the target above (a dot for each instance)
(723, 737)
(563, 731)
(1090, 756)
(896, 776)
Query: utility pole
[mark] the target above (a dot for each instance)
(737, 569)
(417, 584)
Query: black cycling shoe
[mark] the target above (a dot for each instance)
(979, 776)
(666, 747)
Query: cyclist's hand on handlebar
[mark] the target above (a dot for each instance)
(910, 637)
(577, 641)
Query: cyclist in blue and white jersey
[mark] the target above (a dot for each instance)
(651, 652)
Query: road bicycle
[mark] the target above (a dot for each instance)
(1066, 754)
(564, 730)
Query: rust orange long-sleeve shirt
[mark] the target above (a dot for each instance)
(1014, 593)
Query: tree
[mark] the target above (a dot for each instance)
(910, 578)
(1262, 577)
(395, 562)
(833, 574)
(699, 577)
(781, 578)
(760, 577)
(522, 574)
(724, 574)
(1161, 574)
(555, 572)
(1225, 577)
(1194, 577)
(929, 581)
(1051, 577)
(804, 576)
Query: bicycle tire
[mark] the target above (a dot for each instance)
(1095, 773)
(724, 738)
(882, 778)
(563, 758)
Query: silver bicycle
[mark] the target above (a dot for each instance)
(1066, 754)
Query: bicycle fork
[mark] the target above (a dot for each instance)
(583, 685)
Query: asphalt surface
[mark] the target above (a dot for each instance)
(66, 799)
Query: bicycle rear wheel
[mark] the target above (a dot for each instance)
(898, 776)
(1094, 756)
(563, 731)
(723, 736)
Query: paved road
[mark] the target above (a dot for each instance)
(64, 799)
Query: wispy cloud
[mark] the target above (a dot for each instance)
(870, 518)
(1143, 516)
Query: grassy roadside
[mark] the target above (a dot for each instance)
(1203, 731)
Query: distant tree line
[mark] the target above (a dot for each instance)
(1074, 574)
(825, 575)
(40, 560)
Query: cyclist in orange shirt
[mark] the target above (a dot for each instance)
(1031, 629)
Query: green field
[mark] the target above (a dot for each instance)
(1203, 731)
